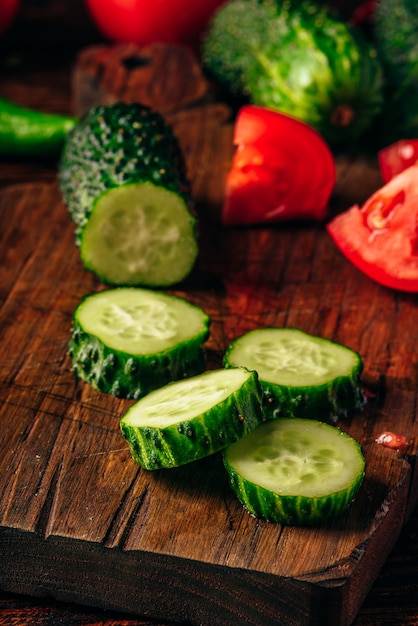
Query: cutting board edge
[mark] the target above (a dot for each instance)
(188, 590)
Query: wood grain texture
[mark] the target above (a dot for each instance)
(81, 521)
(166, 77)
(78, 520)
(391, 601)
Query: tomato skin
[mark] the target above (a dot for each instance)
(8, 10)
(282, 169)
(397, 157)
(143, 22)
(381, 237)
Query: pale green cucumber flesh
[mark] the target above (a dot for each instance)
(302, 375)
(295, 471)
(128, 341)
(140, 321)
(140, 234)
(190, 419)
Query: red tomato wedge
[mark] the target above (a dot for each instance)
(381, 237)
(397, 157)
(282, 169)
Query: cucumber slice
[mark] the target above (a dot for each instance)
(127, 341)
(301, 375)
(191, 419)
(297, 472)
(140, 234)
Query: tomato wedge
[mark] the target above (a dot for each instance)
(282, 169)
(381, 237)
(397, 157)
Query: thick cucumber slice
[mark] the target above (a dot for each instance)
(295, 472)
(128, 341)
(301, 375)
(191, 419)
(140, 234)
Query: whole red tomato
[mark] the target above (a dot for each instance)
(8, 9)
(147, 21)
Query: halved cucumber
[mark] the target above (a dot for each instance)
(191, 419)
(140, 234)
(123, 178)
(128, 341)
(294, 471)
(301, 375)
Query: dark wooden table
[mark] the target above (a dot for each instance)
(36, 58)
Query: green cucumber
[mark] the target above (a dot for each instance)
(190, 419)
(301, 375)
(298, 57)
(129, 340)
(122, 177)
(295, 472)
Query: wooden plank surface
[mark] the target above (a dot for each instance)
(78, 518)
(79, 521)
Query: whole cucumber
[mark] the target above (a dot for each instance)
(299, 58)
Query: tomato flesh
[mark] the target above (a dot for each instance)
(397, 157)
(381, 237)
(282, 169)
(144, 22)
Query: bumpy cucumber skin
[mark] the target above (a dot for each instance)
(395, 26)
(294, 510)
(127, 375)
(115, 145)
(290, 510)
(187, 441)
(300, 58)
(329, 402)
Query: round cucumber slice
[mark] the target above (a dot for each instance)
(297, 472)
(140, 234)
(190, 419)
(301, 375)
(130, 340)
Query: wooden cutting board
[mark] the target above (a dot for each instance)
(81, 522)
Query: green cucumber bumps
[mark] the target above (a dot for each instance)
(299, 58)
(301, 375)
(128, 341)
(295, 472)
(395, 25)
(190, 419)
(122, 177)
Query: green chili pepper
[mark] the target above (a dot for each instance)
(28, 133)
